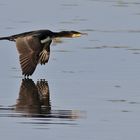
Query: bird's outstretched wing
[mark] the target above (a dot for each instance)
(29, 48)
(45, 53)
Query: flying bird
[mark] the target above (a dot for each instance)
(34, 47)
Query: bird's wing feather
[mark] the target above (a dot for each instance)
(45, 53)
(29, 48)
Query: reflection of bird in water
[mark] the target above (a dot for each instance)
(43, 91)
(34, 98)
(34, 101)
(34, 47)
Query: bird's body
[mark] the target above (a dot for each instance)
(34, 47)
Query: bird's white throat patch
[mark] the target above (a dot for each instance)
(45, 40)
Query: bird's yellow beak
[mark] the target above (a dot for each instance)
(78, 34)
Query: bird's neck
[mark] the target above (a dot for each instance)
(62, 34)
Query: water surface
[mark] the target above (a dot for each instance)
(90, 89)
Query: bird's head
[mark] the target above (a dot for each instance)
(70, 34)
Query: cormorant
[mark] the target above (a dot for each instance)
(34, 47)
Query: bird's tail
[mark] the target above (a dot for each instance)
(5, 38)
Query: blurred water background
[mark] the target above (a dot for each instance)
(91, 85)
